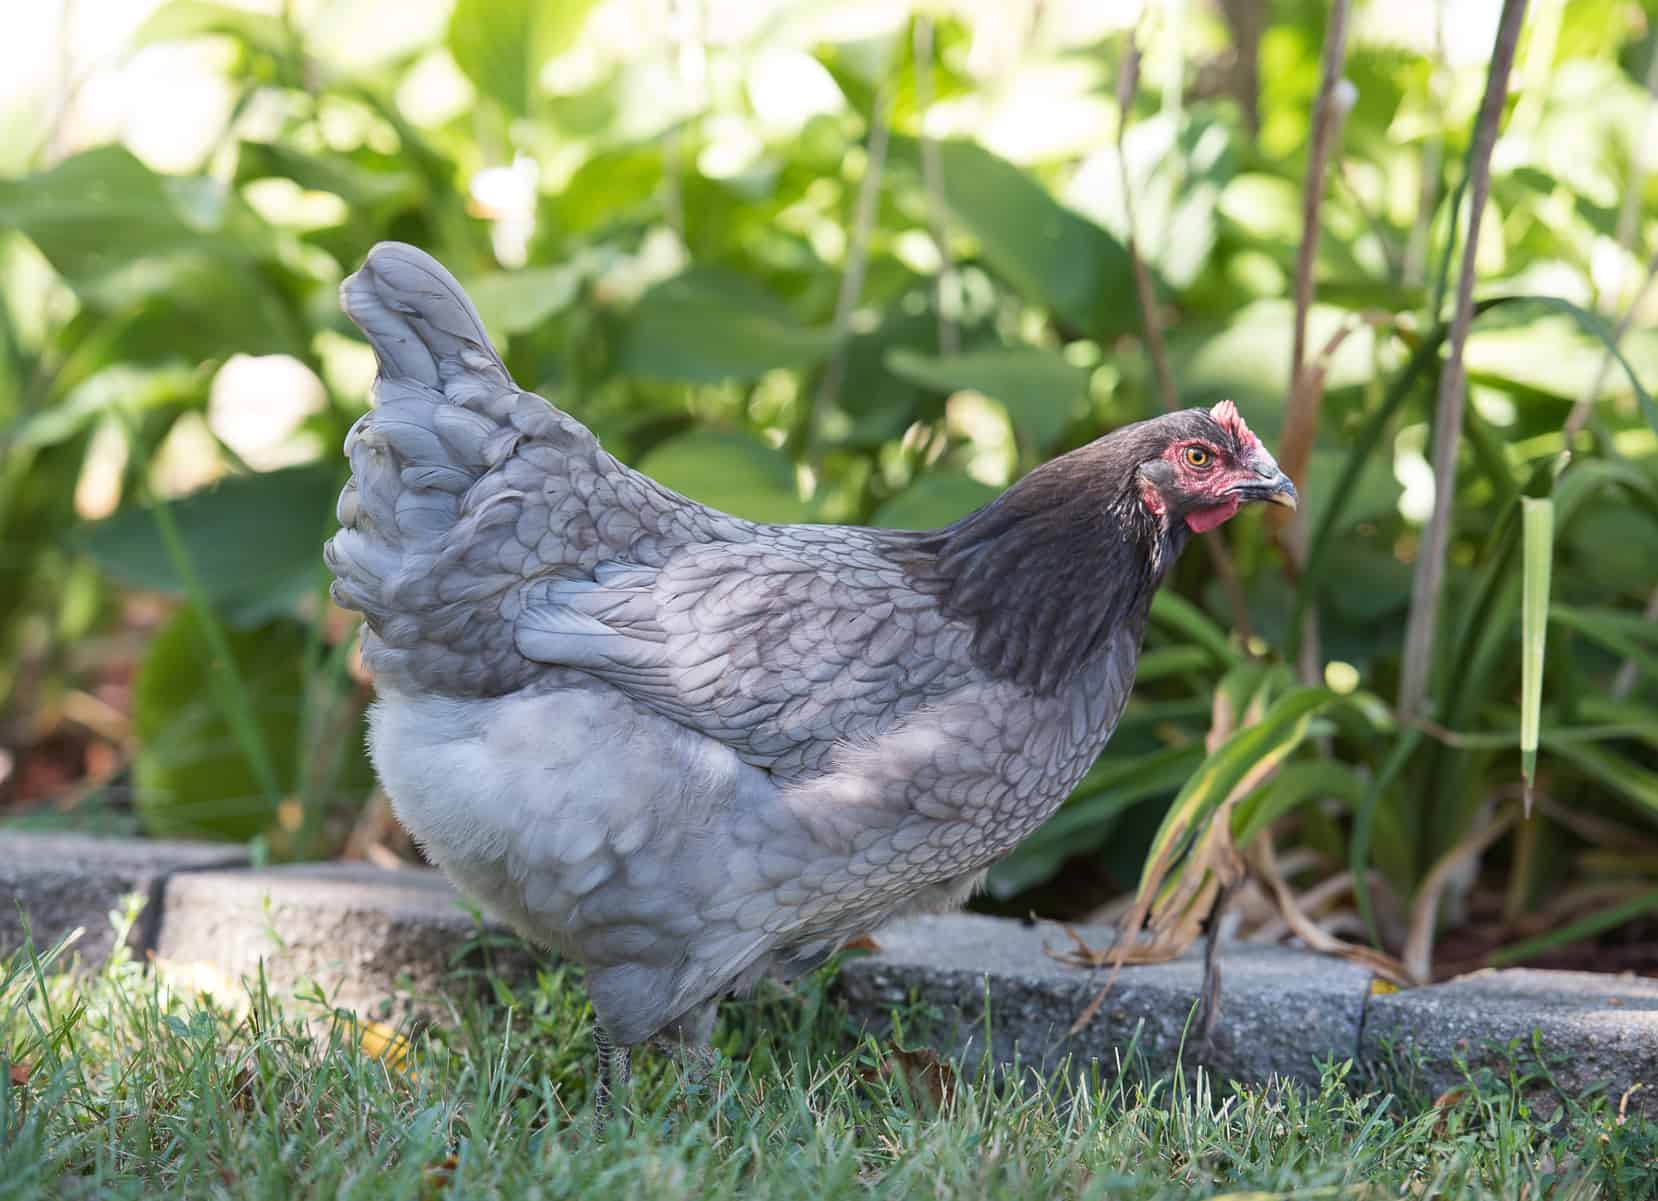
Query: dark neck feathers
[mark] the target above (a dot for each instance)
(1051, 568)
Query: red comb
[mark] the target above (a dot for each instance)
(1226, 416)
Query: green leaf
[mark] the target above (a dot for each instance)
(1281, 729)
(101, 215)
(175, 259)
(191, 777)
(501, 45)
(1584, 928)
(1538, 543)
(1617, 772)
(376, 192)
(1295, 785)
(934, 501)
(134, 389)
(1049, 253)
(608, 186)
(730, 472)
(194, 18)
(1179, 615)
(1041, 392)
(515, 302)
(255, 540)
(1628, 635)
(705, 327)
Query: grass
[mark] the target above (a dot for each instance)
(112, 1086)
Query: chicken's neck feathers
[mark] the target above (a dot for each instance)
(1048, 571)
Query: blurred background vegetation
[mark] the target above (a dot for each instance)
(869, 262)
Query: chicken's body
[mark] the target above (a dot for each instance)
(687, 749)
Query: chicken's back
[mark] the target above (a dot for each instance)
(464, 487)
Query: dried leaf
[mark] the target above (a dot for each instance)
(927, 1077)
(20, 1073)
(436, 1178)
(1264, 862)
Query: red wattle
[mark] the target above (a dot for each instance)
(1202, 520)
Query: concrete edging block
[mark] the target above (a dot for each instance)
(62, 881)
(1594, 1030)
(1282, 1010)
(385, 943)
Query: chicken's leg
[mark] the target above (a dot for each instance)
(613, 1061)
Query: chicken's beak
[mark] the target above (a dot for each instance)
(1267, 482)
(1282, 492)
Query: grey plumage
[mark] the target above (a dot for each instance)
(685, 748)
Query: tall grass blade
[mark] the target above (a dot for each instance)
(1537, 538)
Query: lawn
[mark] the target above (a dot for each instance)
(115, 1086)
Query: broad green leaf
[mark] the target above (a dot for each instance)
(730, 472)
(934, 501)
(194, 18)
(175, 260)
(608, 187)
(122, 386)
(515, 302)
(255, 540)
(501, 45)
(102, 211)
(705, 327)
(366, 190)
(191, 777)
(1050, 254)
(1041, 392)
(1538, 545)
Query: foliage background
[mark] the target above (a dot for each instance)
(870, 263)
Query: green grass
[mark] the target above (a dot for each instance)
(129, 1090)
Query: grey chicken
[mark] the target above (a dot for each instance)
(686, 749)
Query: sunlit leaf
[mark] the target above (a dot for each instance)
(1049, 253)
(1041, 392)
(1538, 543)
(514, 302)
(730, 472)
(191, 777)
(502, 45)
(933, 501)
(255, 540)
(706, 326)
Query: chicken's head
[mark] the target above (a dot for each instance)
(1209, 465)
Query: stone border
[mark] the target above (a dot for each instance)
(389, 943)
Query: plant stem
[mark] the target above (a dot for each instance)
(1628, 227)
(932, 178)
(1428, 579)
(1306, 396)
(1328, 116)
(1128, 81)
(1433, 152)
(857, 259)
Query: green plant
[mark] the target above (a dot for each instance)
(817, 313)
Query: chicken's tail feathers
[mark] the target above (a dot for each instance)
(428, 548)
(417, 318)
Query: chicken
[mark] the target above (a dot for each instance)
(686, 749)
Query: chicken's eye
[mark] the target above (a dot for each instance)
(1196, 456)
